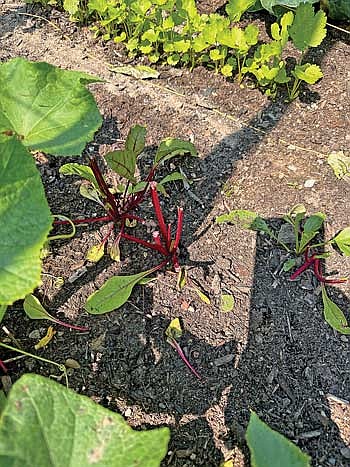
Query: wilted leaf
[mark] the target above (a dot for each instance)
(333, 314)
(343, 241)
(95, 253)
(268, 448)
(227, 303)
(340, 164)
(89, 192)
(174, 331)
(137, 71)
(39, 409)
(114, 293)
(46, 339)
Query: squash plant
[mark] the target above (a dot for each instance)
(42, 108)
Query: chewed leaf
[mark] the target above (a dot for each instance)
(34, 309)
(268, 448)
(227, 303)
(245, 220)
(95, 253)
(46, 339)
(113, 294)
(171, 147)
(138, 71)
(343, 241)
(340, 164)
(333, 314)
(174, 331)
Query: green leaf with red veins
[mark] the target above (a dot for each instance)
(343, 241)
(123, 162)
(333, 314)
(25, 221)
(171, 147)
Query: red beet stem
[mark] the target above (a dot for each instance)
(179, 350)
(87, 220)
(71, 326)
(152, 246)
(302, 268)
(158, 212)
(180, 217)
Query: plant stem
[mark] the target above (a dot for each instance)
(302, 268)
(180, 217)
(183, 357)
(158, 212)
(152, 246)
(87, 220)
(71, 326)
(23, 352)
(103, 187)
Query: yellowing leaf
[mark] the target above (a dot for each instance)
(181, 279)
(228, 463)
(227, 303)
(46, 339)
(340, 163)
(95, 253)
(201, 295)
(174, 331)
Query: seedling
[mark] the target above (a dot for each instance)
(305, 230)
(174, 332)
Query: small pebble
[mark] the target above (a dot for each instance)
(345, 452)
(35, 334)
(309, 183)
(128, 412)
(343, 338)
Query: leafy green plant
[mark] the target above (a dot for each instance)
(42, 108)
(76, 430)
(306, 29)
(305, 230)
(121, 202)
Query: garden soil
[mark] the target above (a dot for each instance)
(273, 353)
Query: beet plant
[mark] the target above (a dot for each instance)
(121, 203)
(305, 230)
(42, 108)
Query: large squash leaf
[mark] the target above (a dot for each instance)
(25, 221)
(46, 425)
(48, 108)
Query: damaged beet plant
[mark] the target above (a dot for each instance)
(305, 245)
(121, 203)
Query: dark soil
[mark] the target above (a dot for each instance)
(274, 353)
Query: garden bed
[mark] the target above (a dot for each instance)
(273, 353)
